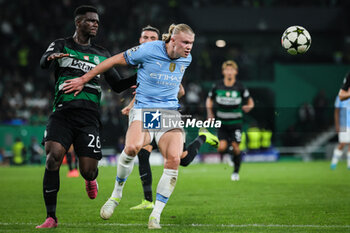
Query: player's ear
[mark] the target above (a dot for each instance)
(77, 20)
(76, 23)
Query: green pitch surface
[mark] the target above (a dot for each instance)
(270, 197)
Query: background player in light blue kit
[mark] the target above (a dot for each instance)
(342, 126)
(161, 67)
(342, 121)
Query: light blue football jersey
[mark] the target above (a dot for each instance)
(344, 112)
(158, 76)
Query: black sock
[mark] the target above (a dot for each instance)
(237, 159)
(75, 162)
(192, 150)
(69, 161)
(51, 185)
(145, 174)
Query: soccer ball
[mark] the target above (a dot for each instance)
(296, 40)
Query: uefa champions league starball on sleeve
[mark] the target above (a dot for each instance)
(296, 40)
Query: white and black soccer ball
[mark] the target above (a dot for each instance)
(296, 40)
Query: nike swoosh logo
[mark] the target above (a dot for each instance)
(50, 191)
(97, 151)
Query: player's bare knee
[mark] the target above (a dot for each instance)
(53, 161)
(236, 151)
(172, 162)
(221, 149)
(132, 149)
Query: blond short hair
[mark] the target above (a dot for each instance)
(229, 63)
(176, 29)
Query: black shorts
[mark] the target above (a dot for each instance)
(154, 144)
(78, 127)
(230, 133)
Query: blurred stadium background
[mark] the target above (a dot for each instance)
(294, 95)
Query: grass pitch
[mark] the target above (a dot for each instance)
(270, 197)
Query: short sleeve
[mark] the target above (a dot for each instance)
(137, 54)
(54, 47)
(245, 93)
(212, 92)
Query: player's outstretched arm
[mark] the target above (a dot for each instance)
(57, 56)
(77, 84)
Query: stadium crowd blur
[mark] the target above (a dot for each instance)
(27, 27)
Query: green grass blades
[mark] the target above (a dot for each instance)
(270, 197)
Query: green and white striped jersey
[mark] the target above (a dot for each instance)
(228, 102)
(81, 60)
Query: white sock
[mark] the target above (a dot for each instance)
(348, 158)
(124, 168)
(165, 188)
(336, 156)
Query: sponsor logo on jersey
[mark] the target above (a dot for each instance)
(226, 100)
(81, 65)
(166, 77)
(172, 67)
(77, 64)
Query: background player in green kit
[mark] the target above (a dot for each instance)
(75, 119)
(226, 102)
